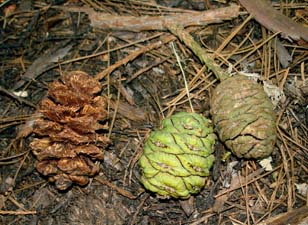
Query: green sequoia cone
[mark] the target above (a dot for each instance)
(177, 159)
(243, 117)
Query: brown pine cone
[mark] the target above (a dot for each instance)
(244, 117)
(68, 145)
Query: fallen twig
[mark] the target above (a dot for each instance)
(143, 23)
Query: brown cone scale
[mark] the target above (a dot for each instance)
(67, 145)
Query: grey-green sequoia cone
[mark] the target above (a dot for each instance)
(177, 158)
(243, 117)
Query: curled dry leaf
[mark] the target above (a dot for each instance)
(68, 145)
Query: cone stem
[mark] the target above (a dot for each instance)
(200, 52)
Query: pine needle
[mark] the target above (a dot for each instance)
(184, 77)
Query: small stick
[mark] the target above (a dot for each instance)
(143, 23)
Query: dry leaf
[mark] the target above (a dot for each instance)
(302, 188)
(274, 93)
(274, 20)
(266, 163)
(282, 53)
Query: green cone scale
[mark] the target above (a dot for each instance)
(244, 118)
(177, 158)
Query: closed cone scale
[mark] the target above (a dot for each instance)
(177, 158)
(243, 117)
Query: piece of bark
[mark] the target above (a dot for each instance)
(273, 20)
